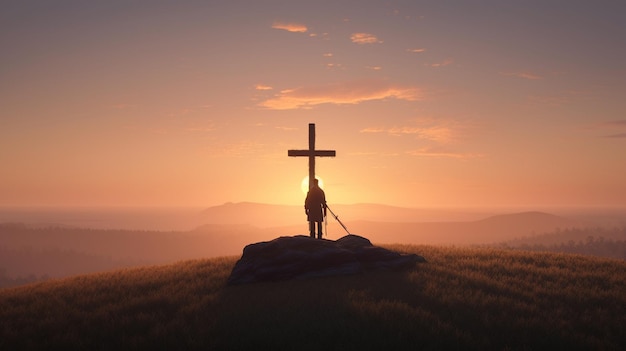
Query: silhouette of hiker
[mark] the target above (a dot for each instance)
(315, 208)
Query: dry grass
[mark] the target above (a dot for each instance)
(463, 298)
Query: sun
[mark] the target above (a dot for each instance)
(305, 184)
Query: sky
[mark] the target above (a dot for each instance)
(427, 103)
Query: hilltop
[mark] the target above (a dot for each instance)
(462, 298)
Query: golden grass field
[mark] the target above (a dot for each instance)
(462, 298)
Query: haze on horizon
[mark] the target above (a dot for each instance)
(158, 103)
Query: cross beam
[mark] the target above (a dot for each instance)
(311, 153)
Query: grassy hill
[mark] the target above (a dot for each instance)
(463, 298)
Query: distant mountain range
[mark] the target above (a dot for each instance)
(485, 231)
(272, 216)
(389, 224)
(89, 241)
(267, 215)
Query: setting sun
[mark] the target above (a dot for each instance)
(304, 185)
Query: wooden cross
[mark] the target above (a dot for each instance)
(311, 153)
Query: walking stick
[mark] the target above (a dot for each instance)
(338, 220)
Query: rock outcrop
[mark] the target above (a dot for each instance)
(301, 257)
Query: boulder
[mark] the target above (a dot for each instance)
(302, 257)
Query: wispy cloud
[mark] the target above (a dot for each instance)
(334, 65)
(263, 87)
(616, 136)
(618, 125)
(321, 36)
(437, 137)
(427, 129)
(562, 98)
(364, 38)
(385, 154)
(290, 27)
(341, 93)
(524, 75)
(431, 152)
(283, 128)
(615, 123)
(416, 51)
(373, 130)
(443, 63)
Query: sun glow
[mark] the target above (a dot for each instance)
(305, 184)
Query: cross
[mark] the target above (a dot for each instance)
(311, 153)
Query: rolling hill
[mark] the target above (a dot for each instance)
(462, 298)
(29, 252)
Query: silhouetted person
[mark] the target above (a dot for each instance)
(315, 208)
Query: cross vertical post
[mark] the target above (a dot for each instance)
(311, 153)
(311, 158)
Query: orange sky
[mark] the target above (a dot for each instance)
(158, 103)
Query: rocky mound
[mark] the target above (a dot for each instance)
(301, 257)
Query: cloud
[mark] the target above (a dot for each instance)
(417, 51)
(322, 36)
(263, 87)
(563, 98)
(616, 136)
(372, 130)
(618, 124)
(442, 153)
(438, 133)
(444, 63)
(290, 27)
(364, 38)
(341, 93)
(241, 149)
(384, 154)
(427, 129)
(524, 75)
(334, 65)
(615, 123)
(283, 128)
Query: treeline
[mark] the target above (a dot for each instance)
(603, 242)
